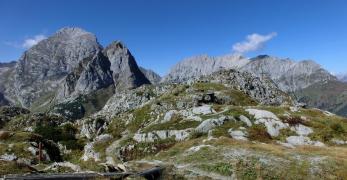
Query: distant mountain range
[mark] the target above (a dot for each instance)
(71, 63)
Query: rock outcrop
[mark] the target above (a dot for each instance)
(126, 73)
(41, 68)
(262, 90)
(92, 73)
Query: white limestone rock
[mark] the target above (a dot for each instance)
(301, 130)
(238, 134)
(209, 124)
(203, 110)
(179, 135)
(271, 121)
(303, 140)
(168, 116)
(245, 120)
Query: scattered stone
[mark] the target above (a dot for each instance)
(271, 121)
(89, 153)
(56, 165)
(303, 140)
(238, 135)
(179, 135)
(209, 124)
(8, 157)
(302, 130)
(203, 110)
(339, 141)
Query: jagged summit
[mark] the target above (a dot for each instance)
(126, 73)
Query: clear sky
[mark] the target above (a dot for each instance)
(162, 32)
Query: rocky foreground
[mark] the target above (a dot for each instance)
(228, 125)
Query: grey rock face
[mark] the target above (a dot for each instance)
(90, 75)
(41, 68)
(126, 73)
(262, 90)
(3, 100)
(153, 77)
(287, 74)
(193, 68)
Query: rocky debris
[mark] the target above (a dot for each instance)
(57, 165)
(89, 153)
(302, 140)
(126, 73)
(301, 130)
(245, 120)
(339, 141)
(8, 157)
(194, 67)
(153, 77)
(210, 124)
(129, 100)
(271, 121)
(178, 135)
(41, 68)
(238, 134)
(91, 74)
(262, 90)
(203, 110)
(91, 127)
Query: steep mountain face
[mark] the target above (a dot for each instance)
(331, 96)
(92, 73)
(41, 68)
(193, 68)
(153, 77)
(288, 75)
(3, 100)
(126, 74)
(5, 72)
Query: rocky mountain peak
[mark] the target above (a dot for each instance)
(126, 73)
(42, 67)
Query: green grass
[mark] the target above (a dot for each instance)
(141, 116)
(223, 130)
(209, 87)
(116, 127)
(176, 123)
(258, 132)
(221, 168)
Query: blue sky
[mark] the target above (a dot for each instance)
(162, 32)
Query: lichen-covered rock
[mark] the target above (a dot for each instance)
(238, 134)
(271, 121)
(178, 135)
(209, 124)
(302, 140)
(203, 110)
(302, 130)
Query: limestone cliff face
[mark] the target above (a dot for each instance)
(41, 68)
(126, 74)
(289, 75)
(91, 74)
(194, 67)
